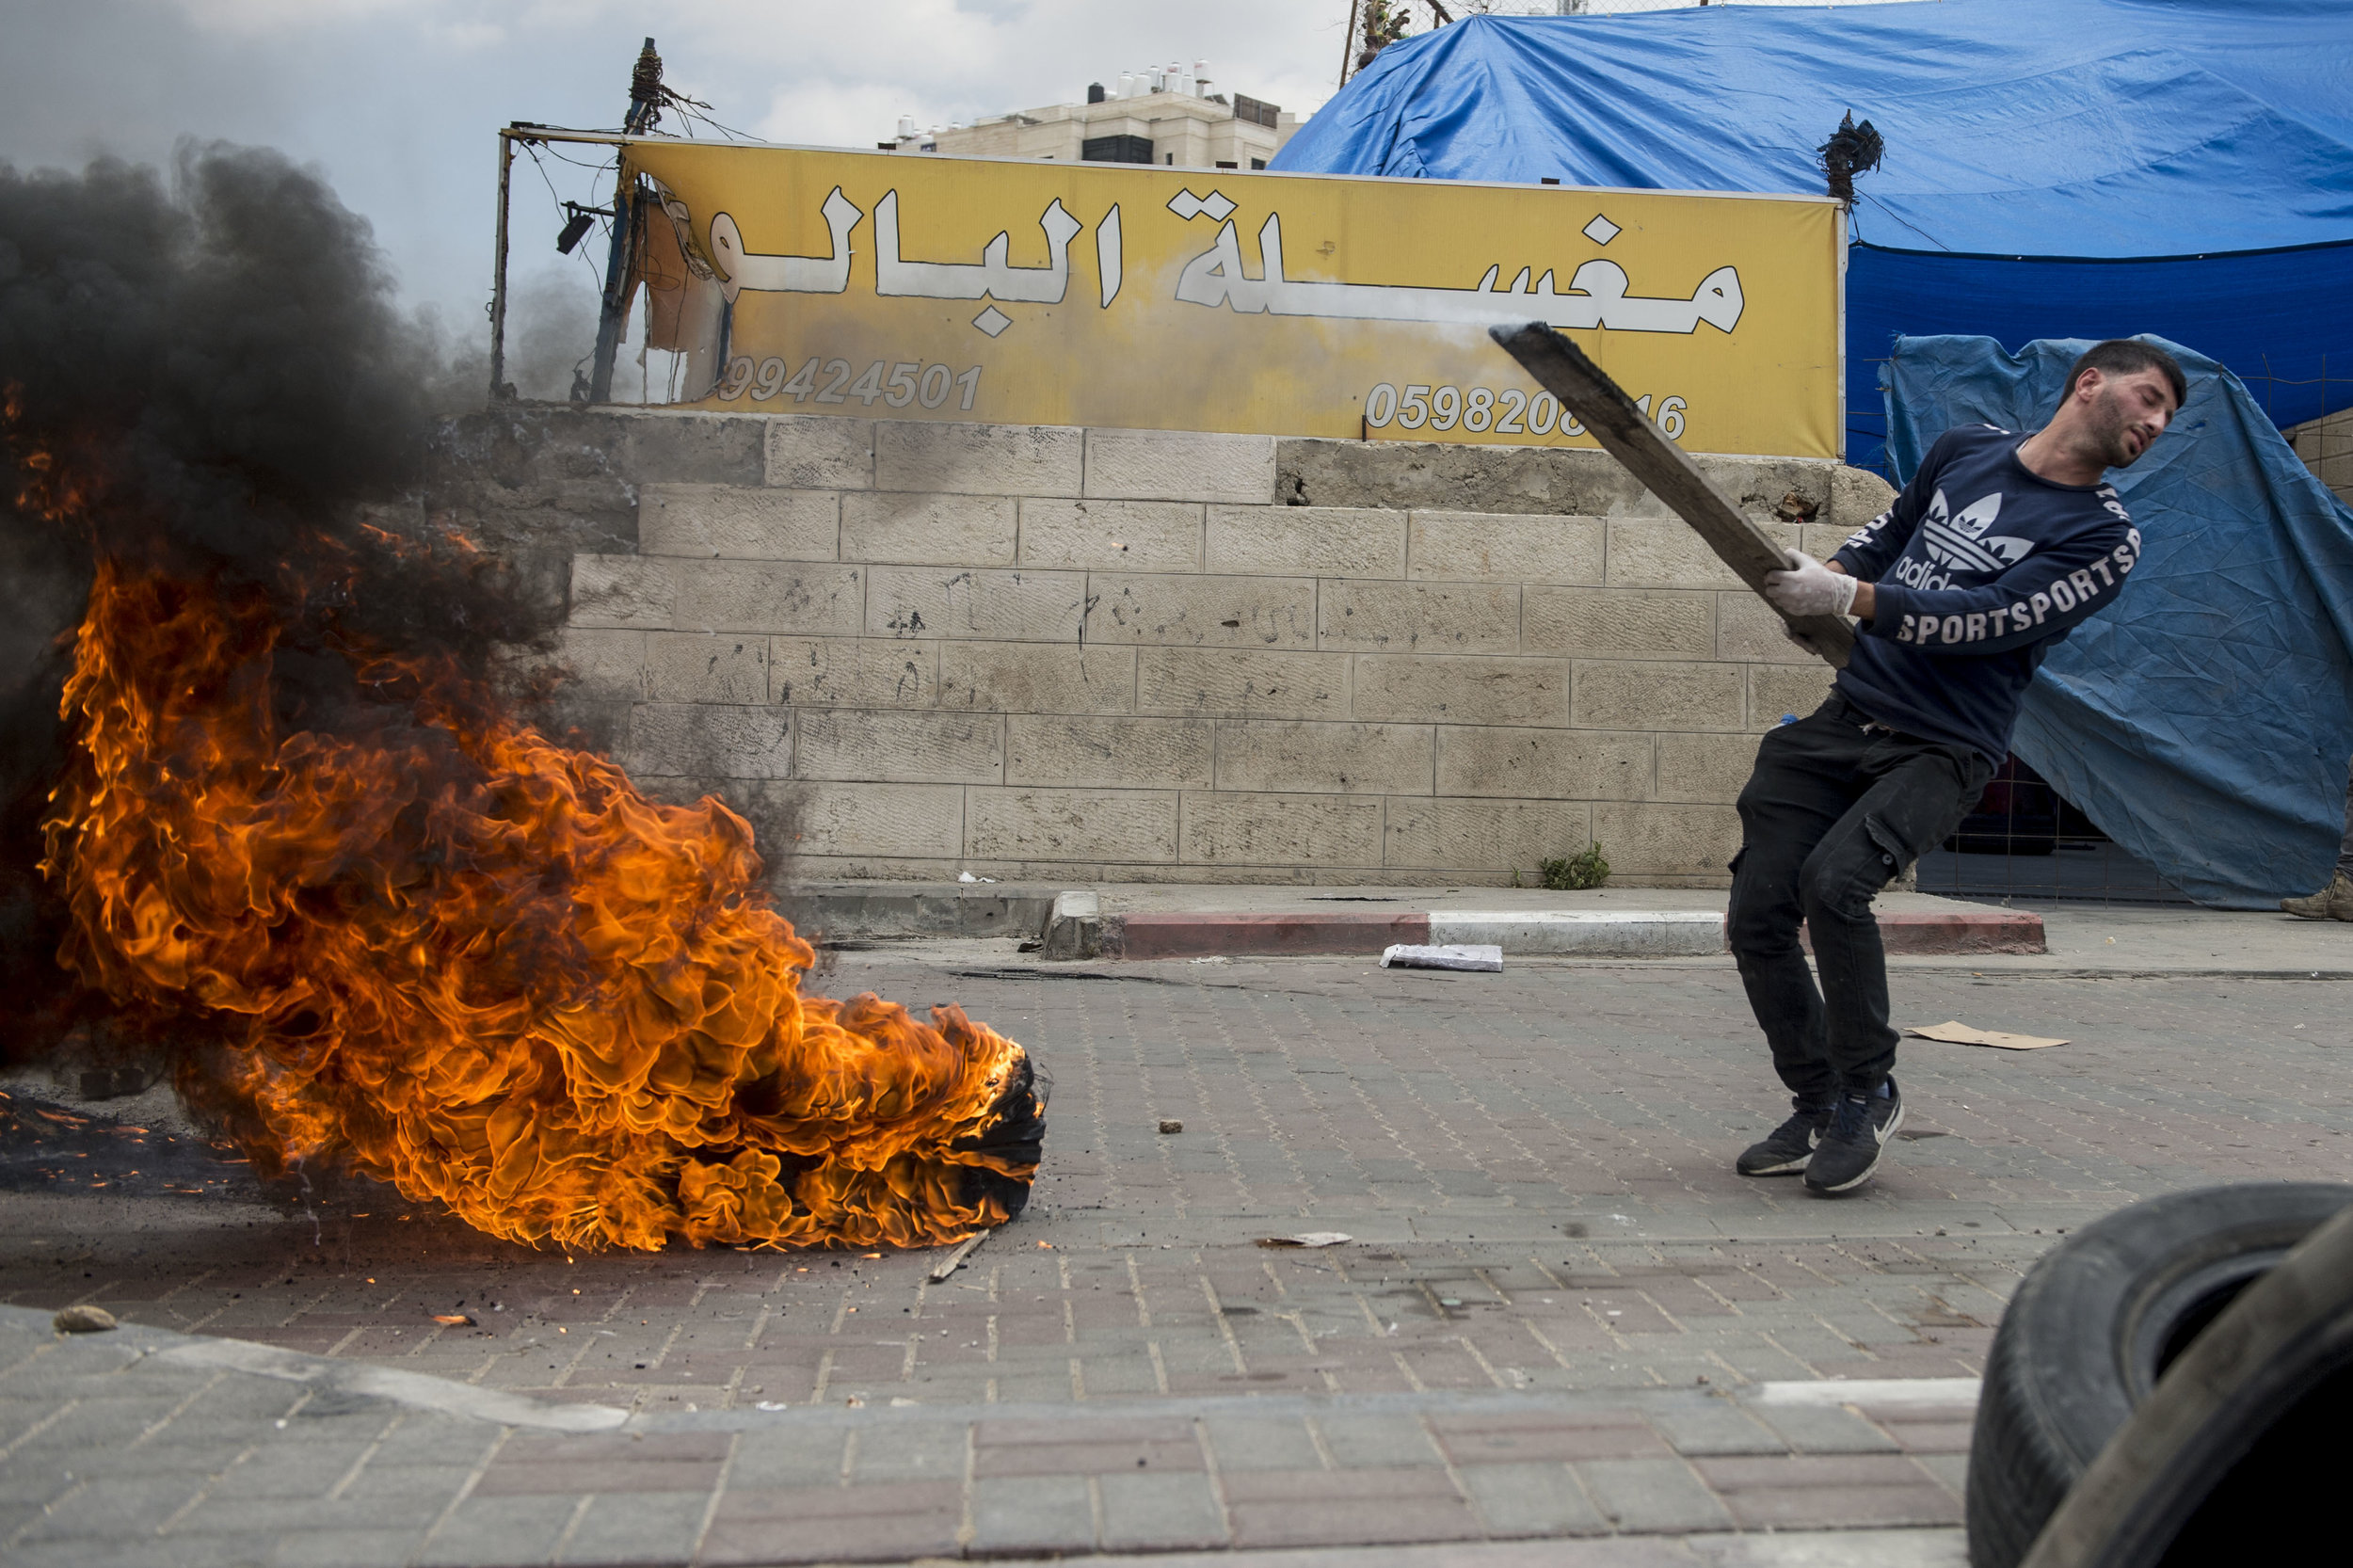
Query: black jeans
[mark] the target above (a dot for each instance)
(1831, 814)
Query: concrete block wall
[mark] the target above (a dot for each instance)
(907, 650)
(2326, 445)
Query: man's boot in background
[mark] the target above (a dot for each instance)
(2332, 903)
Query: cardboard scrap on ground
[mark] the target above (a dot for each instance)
(1961, 1034)
(1454, 956)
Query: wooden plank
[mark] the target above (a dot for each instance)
(955, 1261)
(1627, 433)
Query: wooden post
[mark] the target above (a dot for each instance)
(498, 280)
(1627, 433)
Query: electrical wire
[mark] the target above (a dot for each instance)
(581, 251)
(690, 112)
(599, 165)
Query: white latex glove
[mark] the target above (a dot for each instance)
(1809, 588)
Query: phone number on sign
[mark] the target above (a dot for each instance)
(1509, 412)
(825, 380)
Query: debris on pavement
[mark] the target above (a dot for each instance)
(955, 1261)
(1485, 956)
(1962, 1034)
(1308, 1238)
(83, 1319)
(454, 1320)
(1170, 1124)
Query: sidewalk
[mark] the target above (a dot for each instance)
(1147, 922)
(2080, 938)
(176, 1450)
(1549, 1253)
(1190, 920)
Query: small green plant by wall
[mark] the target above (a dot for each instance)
(1577, 872)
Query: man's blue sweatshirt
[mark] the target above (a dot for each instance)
(1978, 567)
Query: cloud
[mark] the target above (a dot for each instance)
(397, 101)
(257, 16)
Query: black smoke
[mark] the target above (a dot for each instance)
(208, 373)
(220, 349)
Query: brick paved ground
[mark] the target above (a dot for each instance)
(1557, 1318)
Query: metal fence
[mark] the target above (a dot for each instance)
(2025, 841)
(2263, 387)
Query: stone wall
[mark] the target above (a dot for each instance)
(908, 650)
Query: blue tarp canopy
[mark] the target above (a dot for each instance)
(2203, 721)
(2053, 168)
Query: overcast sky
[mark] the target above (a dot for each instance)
(397, 101)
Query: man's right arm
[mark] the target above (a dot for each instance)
(1873, 548)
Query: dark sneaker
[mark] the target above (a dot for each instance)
(1858, 1131)
(1788, 1147)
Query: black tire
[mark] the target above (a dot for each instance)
(2092, 1326)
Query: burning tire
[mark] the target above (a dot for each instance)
(303, 821)
(416, 939)
(2100, 1319)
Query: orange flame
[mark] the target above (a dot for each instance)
(486, 969)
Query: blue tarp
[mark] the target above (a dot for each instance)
(2280, 318)
(2203, 721)
(2054, 167)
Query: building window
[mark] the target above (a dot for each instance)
(1227, 163)
(1258, 163)
(1117, 150)
(1170, 159)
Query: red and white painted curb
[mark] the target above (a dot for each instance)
(1079, 929)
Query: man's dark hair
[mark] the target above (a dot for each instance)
(2126, 357)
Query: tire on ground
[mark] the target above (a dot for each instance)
(2092, 1326)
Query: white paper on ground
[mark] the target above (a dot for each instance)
(1475, 955)
(1961, 1034)
(1308, 1238)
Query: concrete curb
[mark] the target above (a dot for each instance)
(1993, 931)
(1077, 928)
(1586, 932)
(119, 1350)
(1073, 925)
(851, 911)
(1190, 936)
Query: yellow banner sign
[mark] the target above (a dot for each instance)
(911, 286)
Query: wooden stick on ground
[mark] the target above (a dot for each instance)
(955, 1260)
(1627, 433)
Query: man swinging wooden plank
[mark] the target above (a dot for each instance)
(1999, 547)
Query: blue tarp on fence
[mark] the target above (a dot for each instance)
(2038, 157)
(2203, 721)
